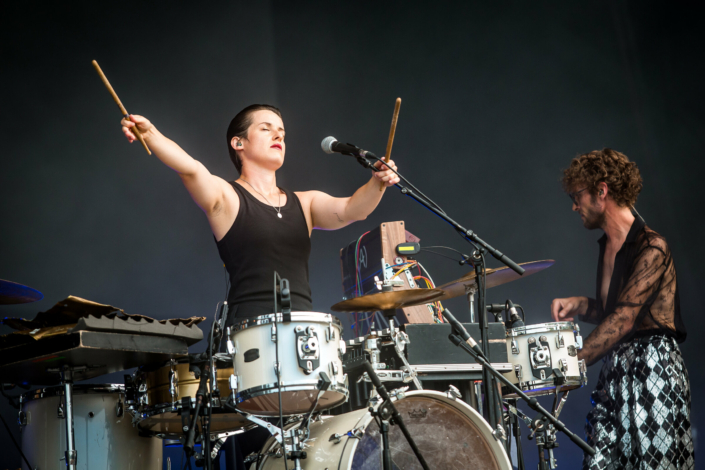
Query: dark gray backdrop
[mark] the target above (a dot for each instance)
(496, 100)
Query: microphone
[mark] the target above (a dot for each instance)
(462, 332)
(331, 145)
(514, 318)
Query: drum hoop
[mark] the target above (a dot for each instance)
(541, 328)
(79, 389)
(316, 317)
(266, 389)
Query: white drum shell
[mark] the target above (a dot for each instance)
(103, 441)
(258, 377)
(323, 453)
(563, 333)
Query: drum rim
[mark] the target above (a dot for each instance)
(76, 389)
(541, 328)
(174, 408)
(268, 389)
(317, 317)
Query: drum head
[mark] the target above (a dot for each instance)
(446, 437)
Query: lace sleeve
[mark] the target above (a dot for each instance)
(639, 290)
(590, 315)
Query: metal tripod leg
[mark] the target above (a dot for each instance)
(70, 454)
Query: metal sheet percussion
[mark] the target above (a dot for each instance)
(13, 293)
(103, 430)
(161, 403)
(388, 300)
(309, 344)
(545, 358)
(493, 278)
(449, 433)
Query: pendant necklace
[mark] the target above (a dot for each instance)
(278, 209)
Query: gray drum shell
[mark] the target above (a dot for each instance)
(104, 441)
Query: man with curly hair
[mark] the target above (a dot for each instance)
(641, 405)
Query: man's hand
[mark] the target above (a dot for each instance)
(142, 123)
(569, 308)
(386, 176)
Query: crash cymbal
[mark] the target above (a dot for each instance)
(388, 300)
(495, 277)
(13, 293)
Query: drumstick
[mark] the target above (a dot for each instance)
(119, 103)
(392, 130)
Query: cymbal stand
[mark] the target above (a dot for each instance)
(70, 456)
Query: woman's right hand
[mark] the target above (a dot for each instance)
(569, 308)
(142, 123)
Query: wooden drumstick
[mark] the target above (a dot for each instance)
(393, 129)
(119, 103)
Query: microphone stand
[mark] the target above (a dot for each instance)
(491, 398)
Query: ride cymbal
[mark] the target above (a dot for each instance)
(388, 300)
(494, 277)
(13, 293)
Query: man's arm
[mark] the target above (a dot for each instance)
(206, 189)
(648, 269)
(331, 213)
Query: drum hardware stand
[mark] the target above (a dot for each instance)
(20, 420)
(388, 414)
(67, 373)
(476, 353)
(511, 417)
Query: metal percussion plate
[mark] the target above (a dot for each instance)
(493, 278)
(14, 293)
(388, 300)
(100, 354)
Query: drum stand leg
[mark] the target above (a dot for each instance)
(70, 455)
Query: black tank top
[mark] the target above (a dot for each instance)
(259, 243)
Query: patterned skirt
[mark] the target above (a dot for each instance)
(641, 409)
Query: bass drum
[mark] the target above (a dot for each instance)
(103, 431)
(448, 432)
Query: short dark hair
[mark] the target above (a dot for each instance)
(240, 124)
(605, 166)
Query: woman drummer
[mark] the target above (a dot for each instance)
(258, 226)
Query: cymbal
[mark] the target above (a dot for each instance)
(388, 300)
(495, 277)
(13, 293)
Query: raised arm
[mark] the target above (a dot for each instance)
(331, 213)
(640, 289)
(206, 189)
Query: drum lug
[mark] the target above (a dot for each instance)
(517, 371)
(355, 433)
(333, 369)
(515, 346)
(578, 339)
(22, 418)
(173, 385)
(499, 433)
(564, 365)
(119, 409)
(229, 342)
(560, 343)
(583, 371)
(273, 333)
(330, 333)
(453, 393)
(60, 411)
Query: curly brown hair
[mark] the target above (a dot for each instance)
(609, 166)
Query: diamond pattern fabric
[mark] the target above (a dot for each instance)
(641, 409)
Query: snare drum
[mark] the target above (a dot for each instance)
(103, 431)
(162, 401)
(448, 432)
(545, 358)
(309, 344)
